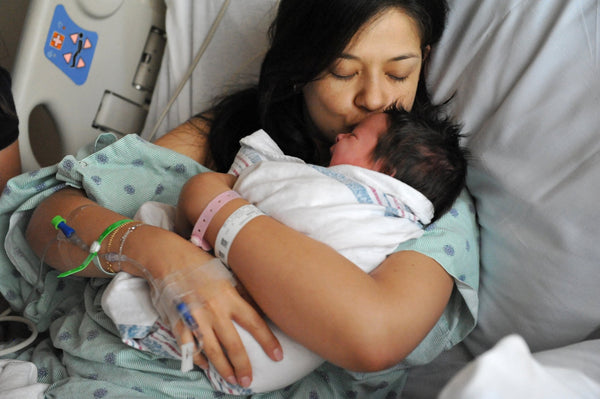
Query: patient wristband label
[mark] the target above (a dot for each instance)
(70, 47)
(232, 226)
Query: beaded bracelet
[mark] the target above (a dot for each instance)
(124, 238)
(95, 247)
(109, 271)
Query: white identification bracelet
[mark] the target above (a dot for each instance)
(232, 227)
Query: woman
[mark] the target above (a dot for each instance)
(329, 66)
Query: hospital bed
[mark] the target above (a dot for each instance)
(524, 78)
(81, 68)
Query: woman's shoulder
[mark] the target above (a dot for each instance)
(461, 217)
(190, 139)
(452, 240)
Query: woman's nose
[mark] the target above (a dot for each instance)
(372, 96)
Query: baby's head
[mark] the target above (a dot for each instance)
(421, 148)
(357, 147)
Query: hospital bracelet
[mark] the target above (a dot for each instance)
(206, 216)
(232, 226)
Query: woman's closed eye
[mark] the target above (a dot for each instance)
(397, 78)
(343, 76)
(348, 76)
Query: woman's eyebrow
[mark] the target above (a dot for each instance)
(402, 57)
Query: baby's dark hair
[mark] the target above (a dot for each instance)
(422, 149)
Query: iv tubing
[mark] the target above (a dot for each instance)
(188, 73)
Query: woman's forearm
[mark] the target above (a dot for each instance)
(42, 236)
(190, 206)
(146, 245)
(358, 321)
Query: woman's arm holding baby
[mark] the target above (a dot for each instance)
(375, 320)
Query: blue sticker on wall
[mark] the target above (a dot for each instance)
(70, 47)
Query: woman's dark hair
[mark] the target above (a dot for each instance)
(306, 37)
(422, 149)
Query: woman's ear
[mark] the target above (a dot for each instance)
(426, 51)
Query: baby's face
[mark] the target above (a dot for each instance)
(356, 147)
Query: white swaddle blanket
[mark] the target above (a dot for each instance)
(362, 214)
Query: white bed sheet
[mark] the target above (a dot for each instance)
(525, 76)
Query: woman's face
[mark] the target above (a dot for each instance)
(380, 66)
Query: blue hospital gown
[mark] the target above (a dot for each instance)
(84, 356)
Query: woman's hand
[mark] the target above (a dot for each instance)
(200, 303)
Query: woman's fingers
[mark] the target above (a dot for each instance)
(222, 344)
(206, 311)
(200, 360)
(260, 330)
(185, 336)
(238, 372)
(235, 351)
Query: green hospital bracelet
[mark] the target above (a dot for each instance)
(95, 247)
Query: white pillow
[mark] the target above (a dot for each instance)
(526, 82)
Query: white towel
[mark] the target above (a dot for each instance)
(18, 379)
(363, 214)
(508, 370)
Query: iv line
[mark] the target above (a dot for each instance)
(191, 68)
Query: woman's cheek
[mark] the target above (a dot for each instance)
(407, 98)
(328, 107)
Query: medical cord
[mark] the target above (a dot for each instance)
(25, 343)
(190, 70)
(21, 319)
(4, 316)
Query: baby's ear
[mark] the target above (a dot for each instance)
(379, 166)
